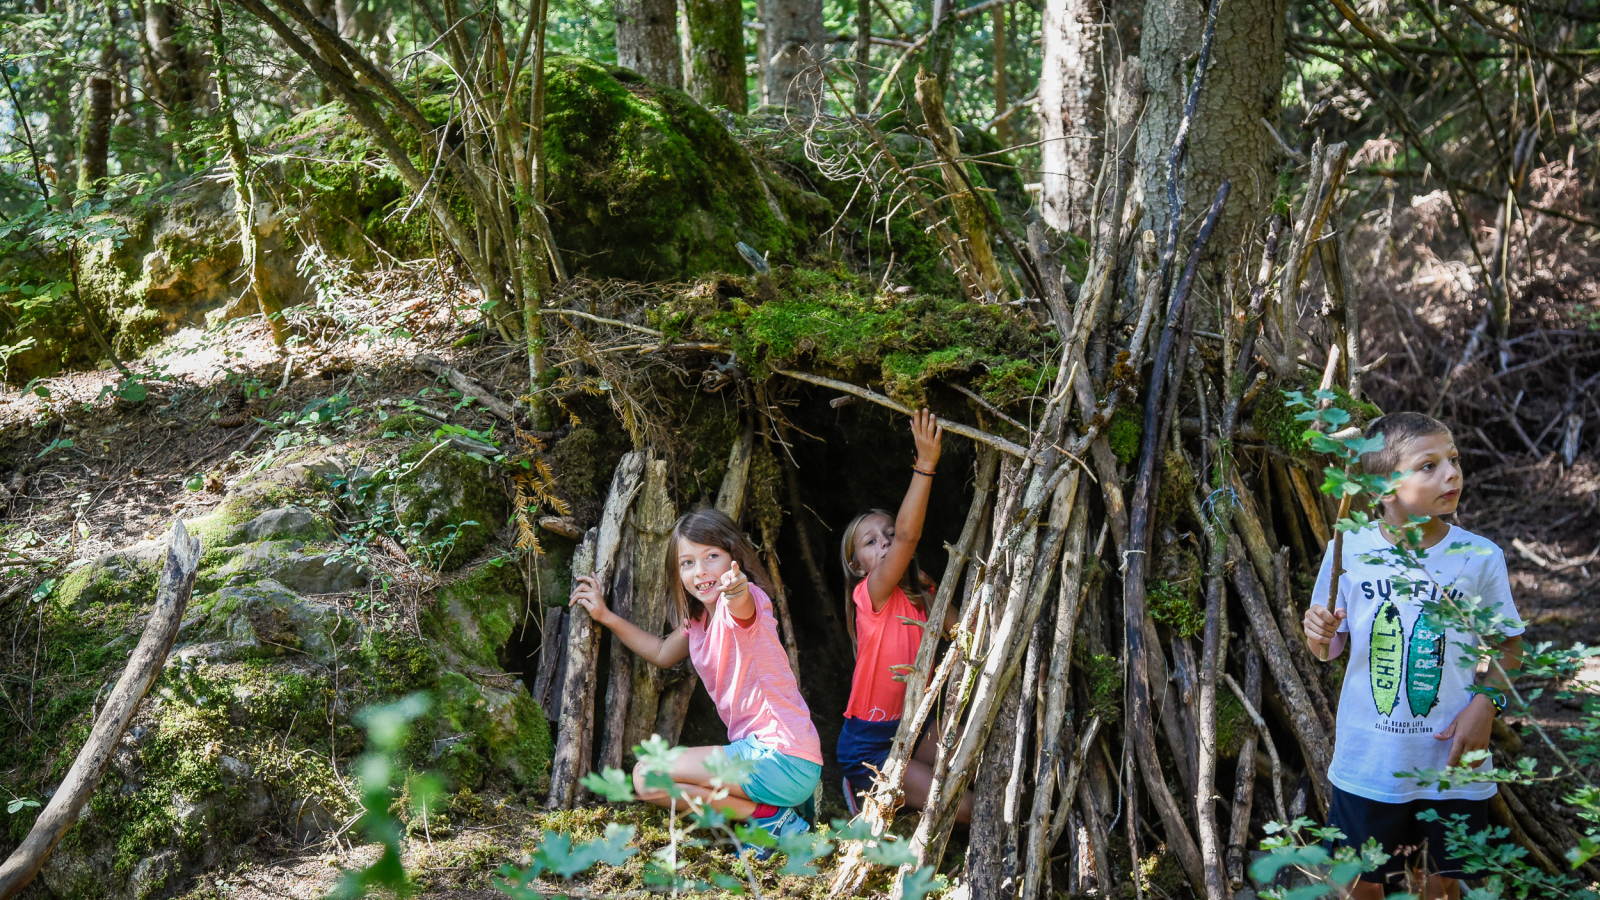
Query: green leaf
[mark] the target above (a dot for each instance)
(19, 804)
(612, 784)
(726, 771)
(853, 830)
(890, 853)
(919, 884)
(800, 849)
(1267, 868)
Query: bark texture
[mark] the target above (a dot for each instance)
(714, 72)
(1071, 111)
(647, 40)
(794, 47)
(1227, 140)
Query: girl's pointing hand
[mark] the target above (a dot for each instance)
(733, 582)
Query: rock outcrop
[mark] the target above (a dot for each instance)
(251, 728)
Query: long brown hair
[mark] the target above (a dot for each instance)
(713, 528)
(918, 588)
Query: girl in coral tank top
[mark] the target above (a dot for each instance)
(724, 624)
(886, 590)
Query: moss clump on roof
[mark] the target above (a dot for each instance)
(839, 323)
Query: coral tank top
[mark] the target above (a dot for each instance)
(883, 640)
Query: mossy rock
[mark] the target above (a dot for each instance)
(124, 576)
(448, 503)
(475, 615)
(264, 619)
(488, 729)
(646, 184)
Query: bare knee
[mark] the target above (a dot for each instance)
(640, 788)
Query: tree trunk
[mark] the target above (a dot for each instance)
(715, 67)
(794, 48)
(1227, 140)
(647, 40)
(94, 142)
(1071, 112)
(1002, 129)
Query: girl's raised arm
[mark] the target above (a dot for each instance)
(929, 436)
(661, 652)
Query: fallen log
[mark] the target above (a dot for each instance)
(172, 598)
(469, 388)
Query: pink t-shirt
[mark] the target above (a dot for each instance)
(883, 640)
(746, 671)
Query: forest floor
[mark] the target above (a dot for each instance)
(131, 468)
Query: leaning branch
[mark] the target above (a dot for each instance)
(172, 598)
(966, 431)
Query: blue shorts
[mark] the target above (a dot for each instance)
(864, 746)
(779, 779)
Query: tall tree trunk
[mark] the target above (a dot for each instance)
(1002, 129)
(794, 48)
(94, 141)
(244, 195)
(1071, 112)
(863, 56)
(1227, 140)
(715, 32)
(647, 40)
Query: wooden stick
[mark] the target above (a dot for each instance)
(1032, 567)
(552, 640)
(571, 761)
(571, 747)
(1244, 784)
(172, 598)
(1311, 502)
(1057, 694)
(469, 388)
(879, 805)
(1289, 619)
(1266, 738)
(619, 685)
(653, 517)
(1303, 717)
(967, 431)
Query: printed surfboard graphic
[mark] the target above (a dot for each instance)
(1424, 667)
(1387, 657)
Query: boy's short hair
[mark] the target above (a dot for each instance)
(1399, 430)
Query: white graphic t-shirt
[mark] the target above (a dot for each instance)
(1406, 681)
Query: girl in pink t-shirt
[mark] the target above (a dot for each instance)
(887, 589)
(723, 622)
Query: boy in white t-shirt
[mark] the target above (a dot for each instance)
(1407, 702)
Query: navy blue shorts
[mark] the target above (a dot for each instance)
(864, 744)
(1402, 835)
